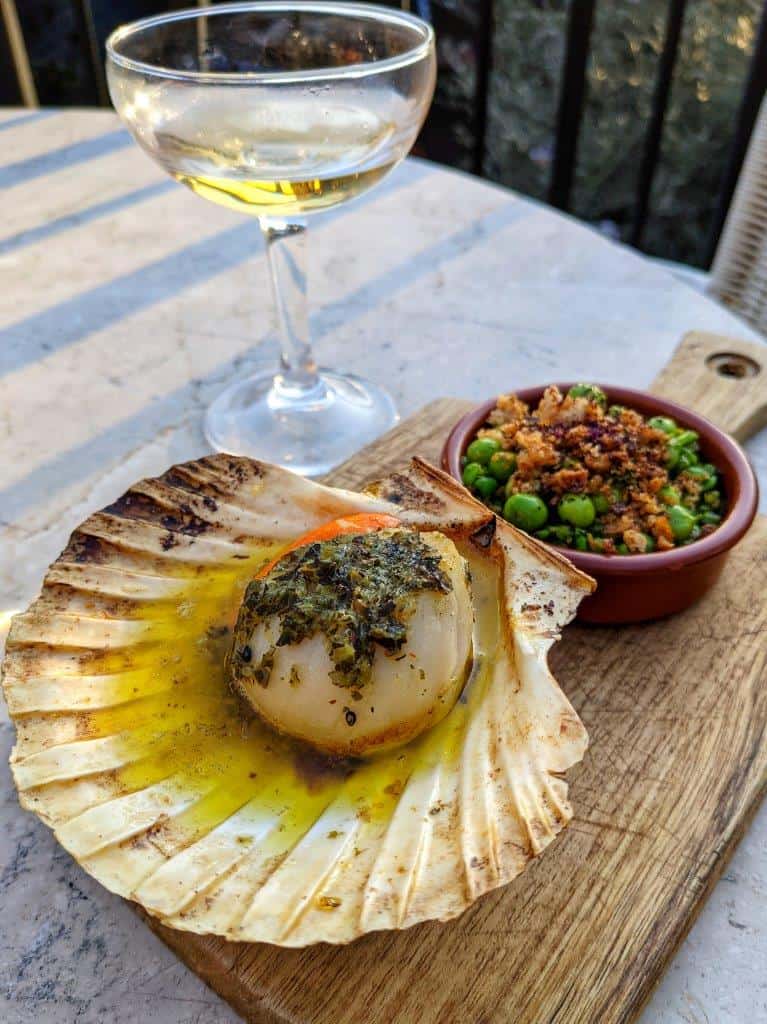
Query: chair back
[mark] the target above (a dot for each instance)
(739, 270)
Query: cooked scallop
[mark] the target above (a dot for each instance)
(406, 623)
(409, 683)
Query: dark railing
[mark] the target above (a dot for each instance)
(572, 92)
(482, 92)
(468, 24)
(87, 31)
(654, 134)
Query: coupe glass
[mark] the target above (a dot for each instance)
(280, 110)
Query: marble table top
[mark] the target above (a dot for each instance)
(126, 304)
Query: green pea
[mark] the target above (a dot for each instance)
(482, 450)
(709, 519)
(713, 477)
(669, 495)
(681, 450)
(581, 542)
(686, 459)
(682, 522)
(649, 543)
(704, 476)
(713, 499)
(543, 534)
(664, 423)
(486, 486)
(526, 511)
(622, 549)
(502, 465)
(590, 391)
(684, 438)
(577, 509)
(600, 503)
(471, 471)
(563, 534)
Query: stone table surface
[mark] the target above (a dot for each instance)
(126, 304)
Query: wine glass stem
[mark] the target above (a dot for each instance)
(286, 252)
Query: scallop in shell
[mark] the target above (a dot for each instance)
(373, 678)
(132, 746)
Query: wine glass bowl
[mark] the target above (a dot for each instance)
(285, 108)
(280, 110)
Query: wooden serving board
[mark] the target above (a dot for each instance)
(677, 715)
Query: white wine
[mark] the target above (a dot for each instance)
(283, 198)
(275, 154)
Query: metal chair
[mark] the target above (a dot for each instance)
(19, 58)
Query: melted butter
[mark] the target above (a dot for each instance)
(191, 727)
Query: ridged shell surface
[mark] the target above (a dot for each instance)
(132, 747)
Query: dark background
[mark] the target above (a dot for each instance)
(525, 41)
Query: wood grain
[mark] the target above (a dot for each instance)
(677, 765)
(724, 379)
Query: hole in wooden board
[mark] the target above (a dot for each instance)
(733, 364)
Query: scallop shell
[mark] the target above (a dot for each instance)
(132, 748)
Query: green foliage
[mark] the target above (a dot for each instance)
(528, 56)
(626, 43)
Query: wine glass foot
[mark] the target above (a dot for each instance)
(309, 434)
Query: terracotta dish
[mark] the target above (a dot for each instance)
(633, 588)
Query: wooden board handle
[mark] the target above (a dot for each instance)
(722, 378)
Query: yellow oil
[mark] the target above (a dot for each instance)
(193, 729)
(283, 198)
